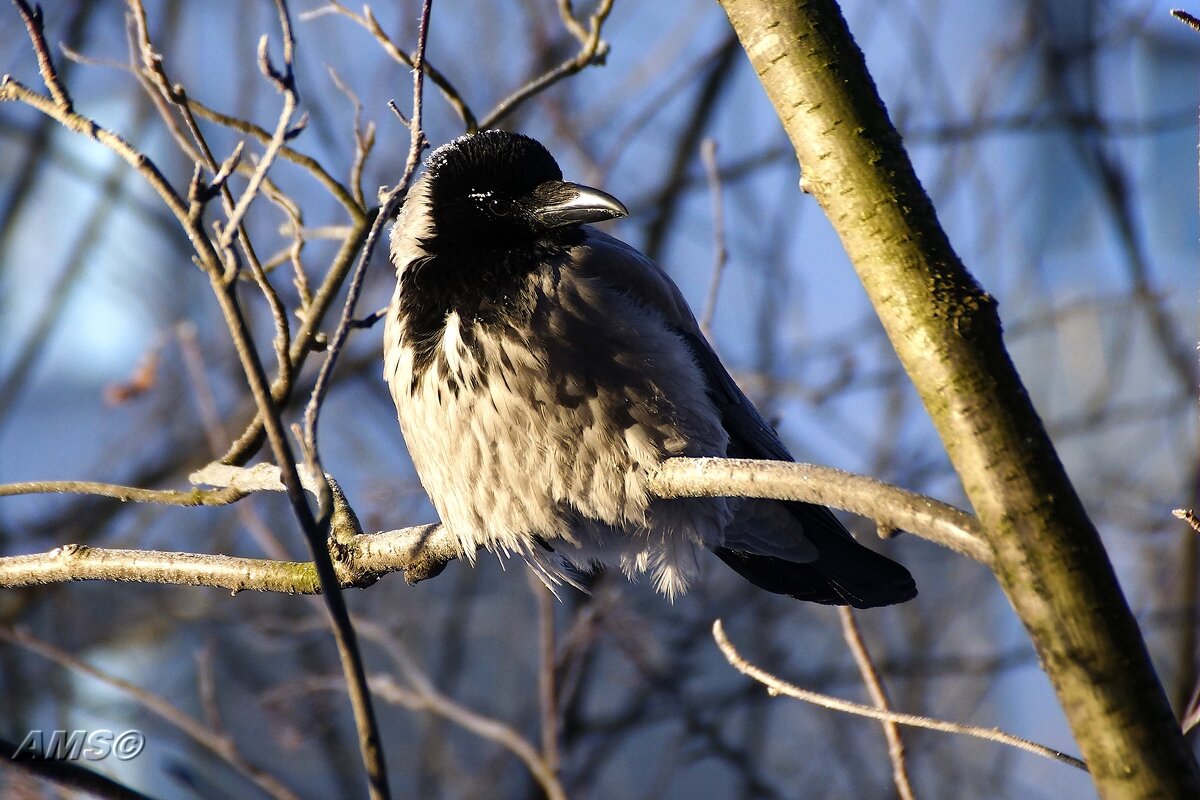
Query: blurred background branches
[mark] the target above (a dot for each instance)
(1057, 142)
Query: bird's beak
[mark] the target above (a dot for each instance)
(560, 203)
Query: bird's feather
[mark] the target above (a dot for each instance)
(542, 370)
(797, 549)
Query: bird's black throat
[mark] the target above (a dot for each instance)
(489, 287)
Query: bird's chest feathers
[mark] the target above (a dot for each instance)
(437, 366)
(459, 360)
(444, 305)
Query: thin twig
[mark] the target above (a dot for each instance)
(127, 494)
(33, 24)
(708, 153)
(592, 51)
(390, 203)
(874, 684)
(315, 530)
(285, 84)
(295, 228)
(368, 22)
(547, 673)
(308, 337)
(364, 137)
(342, 194)
(92, 61)
(423, 695)
(13, 90)
(222, 747)
(776, 686)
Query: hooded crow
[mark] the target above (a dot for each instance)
(542, 370)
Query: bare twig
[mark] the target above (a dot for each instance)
(127, 494)
(708, 153)
(285, 83)
(390, 204)
(776, 686)
(342, 194)
(422, 552)
(32, 17)
(592, 50)
(364, 137)
(91, 61)
(222, 747)
(870, 676)
(1188, 516)
(308, 337)
(367, 21)
(13, 90)
(1186, 18)
(422, 695)
(315, 530)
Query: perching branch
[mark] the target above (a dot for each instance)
(891, 507)
(421, 552)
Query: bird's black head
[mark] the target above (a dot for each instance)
(494, 211)
(496, 191)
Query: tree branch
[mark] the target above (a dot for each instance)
(218, 744)
(891, 507)
(592, 49)
(776, 686)
(67, 774)
(422, 552)
(945, 329)
(870, 675)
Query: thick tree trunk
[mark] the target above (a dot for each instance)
(945, 329)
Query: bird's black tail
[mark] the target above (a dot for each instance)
(841, 571)
(844, 573)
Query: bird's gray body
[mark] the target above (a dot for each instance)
(542, 370)
(556, 425)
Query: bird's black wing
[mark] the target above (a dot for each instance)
(843, 571)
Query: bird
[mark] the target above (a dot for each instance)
(542, 370)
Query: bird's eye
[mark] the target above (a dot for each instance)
(499, 206)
